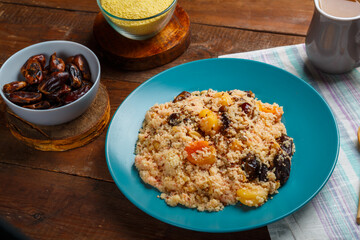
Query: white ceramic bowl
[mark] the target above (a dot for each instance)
(10, 71)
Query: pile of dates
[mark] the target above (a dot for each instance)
(57, 84)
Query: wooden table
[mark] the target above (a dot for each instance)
(71, 195)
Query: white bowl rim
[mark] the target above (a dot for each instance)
(97, 78)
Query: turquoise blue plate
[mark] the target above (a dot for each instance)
(307, 118)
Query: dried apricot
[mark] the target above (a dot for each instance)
(201, 153)
(209, 121)
(268, 108)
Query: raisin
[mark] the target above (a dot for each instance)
(287, 144)
(225, 122)
(282, 167)
(251, 166)
(263, 173)
(246, 107)
(183, 95)
(174, 119)
(250, 94)
(222, 108)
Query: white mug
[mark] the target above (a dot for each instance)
(333, 43)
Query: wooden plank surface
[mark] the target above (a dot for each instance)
(46, 205)
(71, 195)
(274, 16)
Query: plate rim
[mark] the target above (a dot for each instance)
(238, 229)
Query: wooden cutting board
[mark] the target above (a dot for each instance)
(130, 54)
(76, 133)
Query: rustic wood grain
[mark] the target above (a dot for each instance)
(274, 16)
(87, 161)
(74, 134)
(46, 205)
(206, 41)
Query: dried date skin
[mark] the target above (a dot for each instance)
(174, 119)
(56, 64)
(46, 71)
(251, 166)
(69, 59)
(54, 82)
(22, 97)
(81, 62)
(282, 165)
(40, 58)
(14, 86)
(39, 105)
(183, 95)
(75, 75)
(76, 94)
(56, 97)
(31, 88)
(32, 71)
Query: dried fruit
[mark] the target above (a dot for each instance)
(80, 61)
(78, 93)
(201, 153)
(225, 122)
(54, 82)
(56, 64)
(263, 173)
(252, 195)
(282, 165)
(209, 121)
(183, 95)
(50, 86)
(246, 107)
(32, 71)
(57, 95)
(75, 75)
(224, 98)
(251, 166)
(39, 105)
(40, 58)
(287, 144)
(250, 94)
(14, 86)
(22, 97)
(268, 108)
(174, 119)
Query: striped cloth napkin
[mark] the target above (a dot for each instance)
(332, 213)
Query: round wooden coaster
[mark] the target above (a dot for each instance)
(129, 54)
(76, 133)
